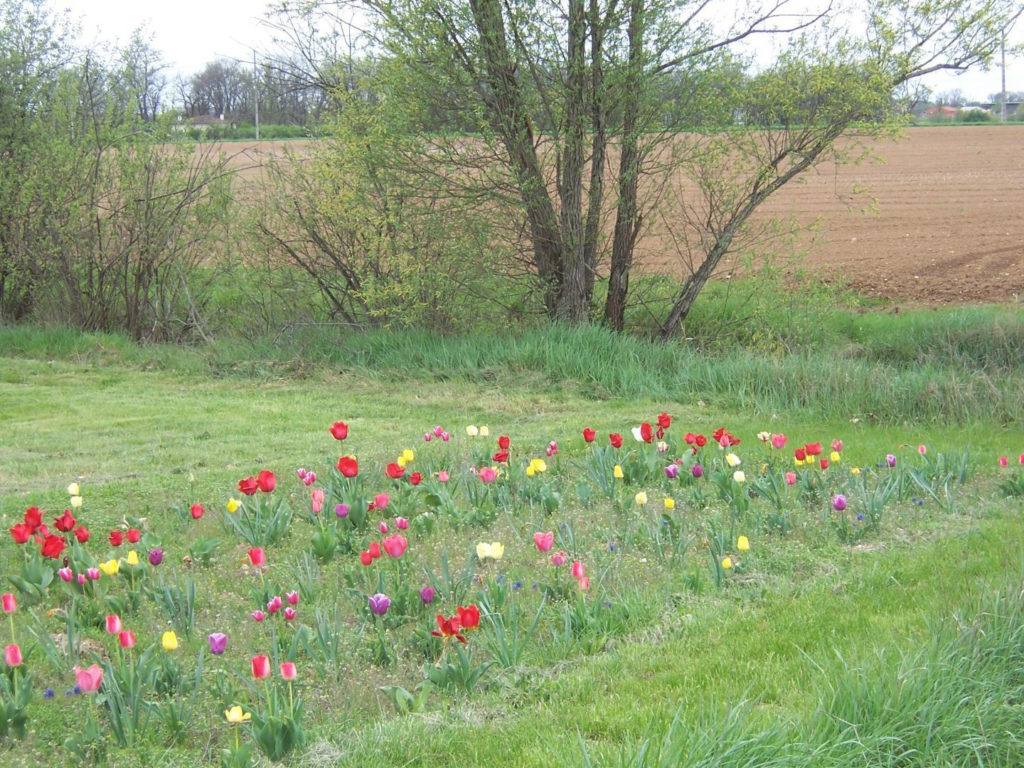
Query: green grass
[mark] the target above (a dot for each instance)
(814, 651)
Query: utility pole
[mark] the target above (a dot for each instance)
(1002, 106)
(256, 94)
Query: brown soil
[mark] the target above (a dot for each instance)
(938, 219)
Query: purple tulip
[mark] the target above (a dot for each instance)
(218, 642)
(341, 510)
(697, 470)
(156, 556)
(890, 459)
(380, 603)
(427, 595)
(839, 502)
(671, 471)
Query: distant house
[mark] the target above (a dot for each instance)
(204, 122)
(940, 112)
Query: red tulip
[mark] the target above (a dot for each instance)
(21, 533)
(615, 439)
(260, 667)
(116, 538)
(248, 486)
(664, 420)
(82, 534)
(449, 628)
(415, 478)
(503, 442)
(127, 639)
(348, 466)
(813, 449)
(133, 535)
(500, 457)
(374, 550)
(65, 522)
(266, 481)
(701, 441)
(589, 435)
(196, 510)
(645, 432)
(33, 518)
(365, 557)
(339, 430)
(394, 471)
(469, 617)
(53, 546)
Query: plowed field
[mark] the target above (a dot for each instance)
(944, 221)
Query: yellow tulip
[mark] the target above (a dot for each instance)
(132, 558)
(530, 471)
(727, 563)
(169, 640)
(74, 490)
(854, 470)
(617, 472)
(401, 461)
(472, 431)
(233, 505)
(641, 498)
(539, 465)
(235, 715)
(408, 455)
(670, 503)
(739, 476)
(742, 544)
(484, 431)
(732, 459)
(76, 501)
(492, 551)
(110, 567)
(834, 457)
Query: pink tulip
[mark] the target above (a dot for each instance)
(288, 671)
(127, 639)
(12, 655)
(258, 615)
(544, 541)
(66, 575)
(289, 614)
(317, 497)
(401, 523)
(89, 680)
(1003, 461)
(578, 571)
(394, 546)
(559, 558)
(442, 475)
(790, 478)
(274, 605)
(381, 501)
(292, 598)
(257, 557)
(114, 624)
(260, 667)
(584, 583)
(778, 441)
(10, 602)
(922, 449)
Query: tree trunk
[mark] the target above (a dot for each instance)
(510, 120)
(627, 215)
(573, 301)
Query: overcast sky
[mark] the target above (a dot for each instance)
(192, 33)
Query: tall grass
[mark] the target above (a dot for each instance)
(955, 366)
(956, 701)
